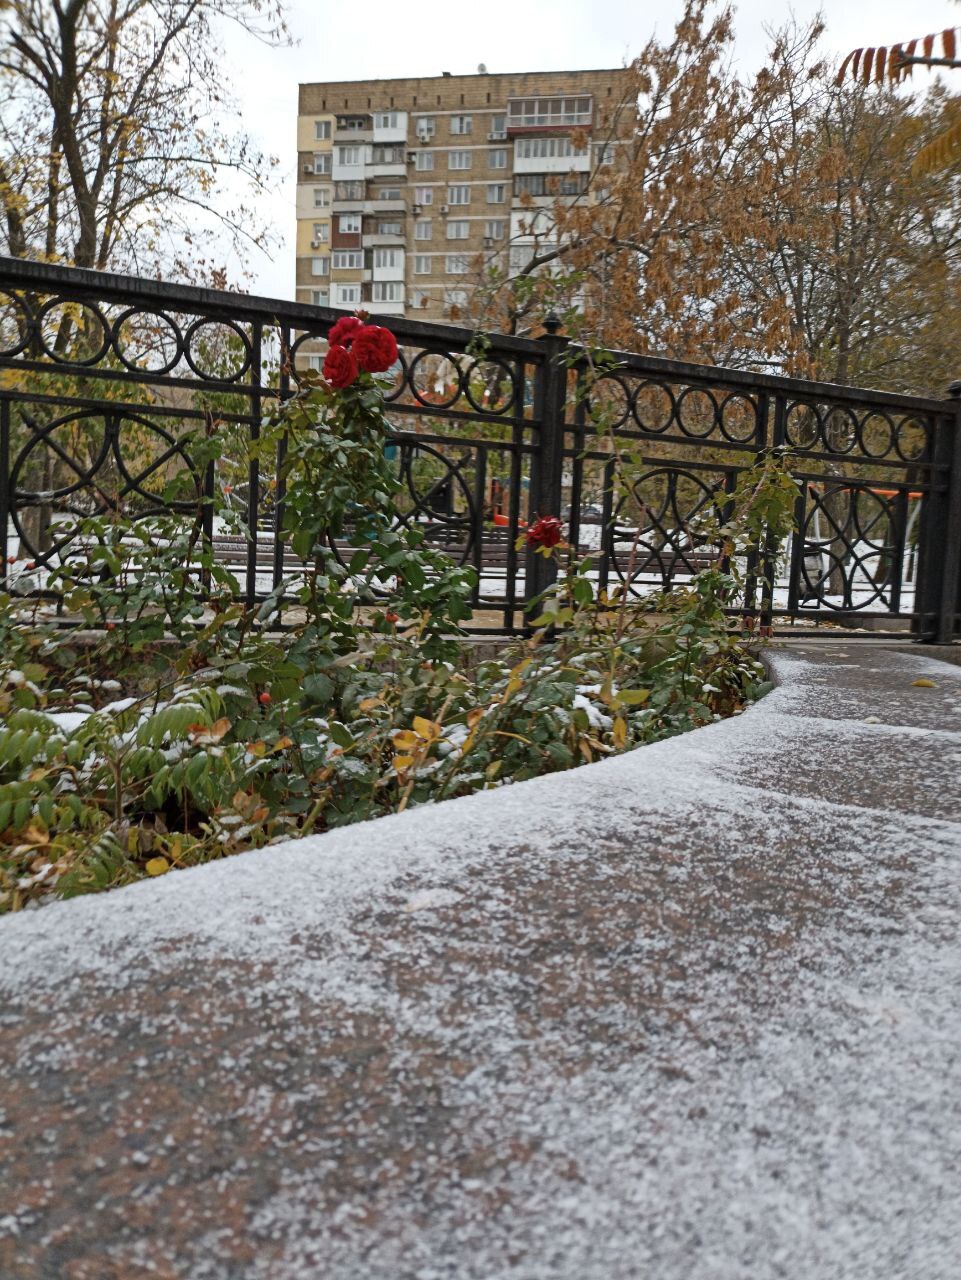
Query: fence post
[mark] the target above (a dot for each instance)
(547, 462)
(939, 567)
(6, 497)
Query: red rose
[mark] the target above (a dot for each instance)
(545, 532)
(340, 367)
(344, 331)
(375, 348)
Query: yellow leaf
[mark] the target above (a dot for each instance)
(924, 684)
(493, 769)
(405, 739)
(203, 735)
(620, 731)
(282, 743)
(585, 750)
(633, 697)
(368, 704)
(403, 762)
(157, 866)
(426, 728)
(257, 748)
(474, 716)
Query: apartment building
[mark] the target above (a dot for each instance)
(407, 188)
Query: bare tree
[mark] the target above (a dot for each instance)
(113, 141)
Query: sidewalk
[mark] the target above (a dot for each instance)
(693, 1013)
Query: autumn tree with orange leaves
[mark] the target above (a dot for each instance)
(768, 223)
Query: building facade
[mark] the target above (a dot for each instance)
(408, 188)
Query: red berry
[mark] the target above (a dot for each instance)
(228, 488)
(391, 616)
(264, 699)
(31, 564)
(111, 626)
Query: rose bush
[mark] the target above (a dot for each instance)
(203, 731)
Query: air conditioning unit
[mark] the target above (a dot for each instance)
(497, 135)
(315, 244)
(445, 208)
(489, 242)
(308, 168)
(415, 209)
(423, 135)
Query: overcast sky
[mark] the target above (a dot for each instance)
(370, 40)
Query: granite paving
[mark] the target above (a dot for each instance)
(693, 1012)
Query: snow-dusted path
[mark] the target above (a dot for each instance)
(689, 1014)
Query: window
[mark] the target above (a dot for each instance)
(423, 195)
(321, 197)
(389, 229)
(346, 295)
(319, 266)
(458, 229)
(497, 158)
(385, 120)
(549, 184)
(537, 148)
(498, 127)
(388, 257)
(496, 193)
(521, 255)
(387, 291)
(456, 298)
(421, 264)
(322, 232)
(349, 155)
(348, 260)
(321, 130)
(455, 264)
(494, 230)
(419, 299)
(461, 124)
(348, 191)
(423, 161)
(349, 223)
(387, 155)
(322, 162)
(458, 159)
(458, 195)
(423, 229)
(353, 122)
(605, 154)
(388, 193)
(425, 127)
(529, 113)
(319, 297)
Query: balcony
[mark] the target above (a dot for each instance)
(384, 308)
(390, 239)
(384, 206)
(390, 169)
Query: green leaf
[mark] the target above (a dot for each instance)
(318, 689)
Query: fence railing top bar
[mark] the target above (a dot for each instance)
(107, 286)
(799, 388)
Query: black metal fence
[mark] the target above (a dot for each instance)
(104, 379)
